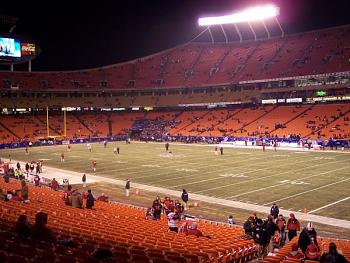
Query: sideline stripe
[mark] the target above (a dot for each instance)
(324, 186)
(325, 206)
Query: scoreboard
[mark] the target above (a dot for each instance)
(16, 49)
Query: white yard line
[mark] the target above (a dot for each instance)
(280, 184)
(325, 206)
(268, 176)
(216, 178)
(305, 192)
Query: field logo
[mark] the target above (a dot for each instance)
(293, 182)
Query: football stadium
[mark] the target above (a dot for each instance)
(232, 146)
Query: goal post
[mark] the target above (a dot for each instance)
(64, 135)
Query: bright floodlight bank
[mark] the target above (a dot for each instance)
(258, 13)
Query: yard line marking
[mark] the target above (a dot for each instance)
(268, 176)
(252, 171)
(208, 172)
(305, 192)
(325, 206)
(285, 183)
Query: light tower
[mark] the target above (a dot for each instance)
(249, 16)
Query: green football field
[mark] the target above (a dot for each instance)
(318, 181)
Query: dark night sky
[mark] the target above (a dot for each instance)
(83, 34)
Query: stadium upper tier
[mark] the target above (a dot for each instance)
(320, 121)
(199, 64)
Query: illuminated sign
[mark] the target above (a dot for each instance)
(293, 100)
(330, 98)
(28, 49)
(270, 101)
(321, 93)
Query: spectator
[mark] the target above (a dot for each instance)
(83, 179)
(23, 226)
(184, 197)
(127, 187)
(90, 200)
(274, 211)
(36, 180)
(6, 178)
(149, 213)
(261, 237)
(178, 208)
(173, 220)
(333, 256)
(54, 184)
(249, 226)
(157, 210)
(24, 192)
(193, 230)
(166, 205)
(271, 228)
(294, 254)
(307, 237)
(281, 228)
(76, 199)
(102, 198)
(156, 201)
(67, 195)
(40, 230)
(293, 226)
(230, 220)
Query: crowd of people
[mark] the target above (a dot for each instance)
(272, 233)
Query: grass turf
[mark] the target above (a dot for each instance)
(294, 180)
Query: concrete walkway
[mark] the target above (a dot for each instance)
(75, 178)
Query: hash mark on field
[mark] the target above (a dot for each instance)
(186, 170)
(234, 175)
(151, 165)
(324, 158)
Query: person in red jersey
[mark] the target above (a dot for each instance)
(54, 184)
(94, 163)
(67, 195)
(62, 157)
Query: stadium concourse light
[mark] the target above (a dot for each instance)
(258, 13)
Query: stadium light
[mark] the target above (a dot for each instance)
(249, 15)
